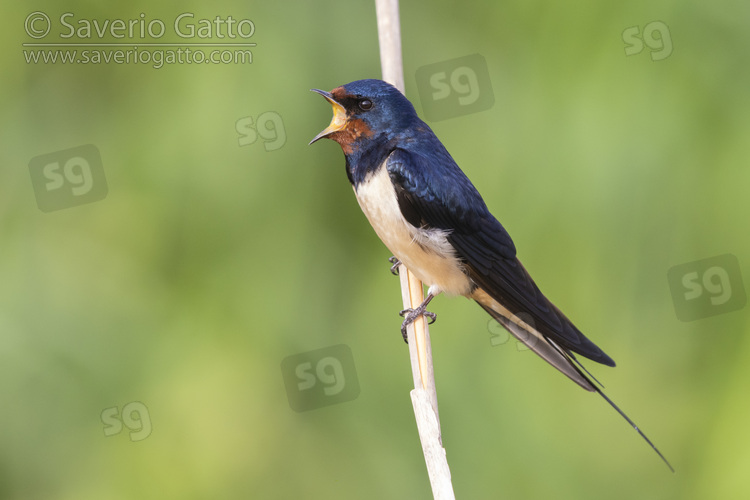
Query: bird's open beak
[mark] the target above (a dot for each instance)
(339, 116)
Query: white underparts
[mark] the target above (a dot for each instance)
(425, 252)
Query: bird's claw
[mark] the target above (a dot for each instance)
(394, 268)
(410, 315)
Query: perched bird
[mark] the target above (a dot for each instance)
(433, 220)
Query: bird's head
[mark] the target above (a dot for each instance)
(365, 110)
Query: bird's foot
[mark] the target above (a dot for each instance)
(410, 315)
(394, 268)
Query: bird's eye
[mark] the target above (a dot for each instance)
(365, 105)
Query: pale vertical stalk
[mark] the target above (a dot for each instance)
(389, 38)
(424, 395)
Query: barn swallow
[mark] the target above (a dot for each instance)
(434, 221)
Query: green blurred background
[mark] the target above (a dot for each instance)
(209, 262)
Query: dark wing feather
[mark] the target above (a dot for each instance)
(433, 192)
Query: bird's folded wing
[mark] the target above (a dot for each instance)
(433, 192)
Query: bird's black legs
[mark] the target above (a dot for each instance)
(394, 268)
(410, 315)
